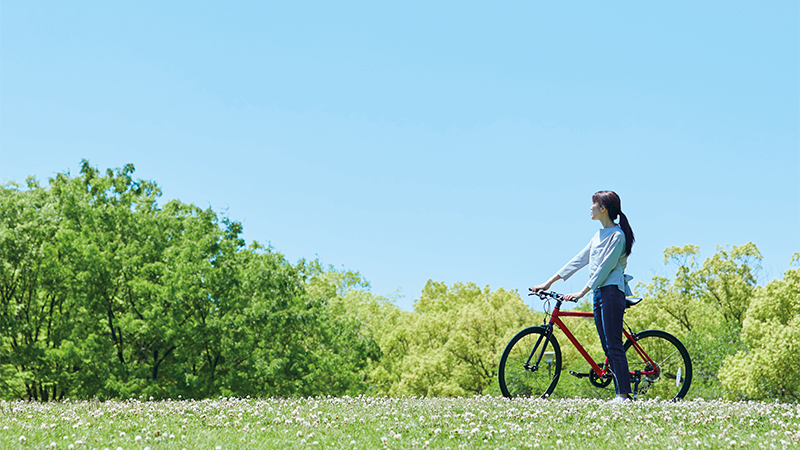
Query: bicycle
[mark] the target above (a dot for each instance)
(660, 365)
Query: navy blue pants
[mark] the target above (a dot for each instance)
(609, 307)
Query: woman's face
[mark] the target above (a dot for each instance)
(596, 211)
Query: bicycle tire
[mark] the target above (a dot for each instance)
(517, 381)
(674, 375)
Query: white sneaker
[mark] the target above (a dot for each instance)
(620, 399)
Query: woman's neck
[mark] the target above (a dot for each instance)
(607, 222)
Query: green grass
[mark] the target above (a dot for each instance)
(375, 423)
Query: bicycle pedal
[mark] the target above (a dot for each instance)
(578, 375)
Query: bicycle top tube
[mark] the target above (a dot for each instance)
(559, 298)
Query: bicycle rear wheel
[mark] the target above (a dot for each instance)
(673, 368)
(530, 365)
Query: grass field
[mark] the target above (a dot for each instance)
(375, 423)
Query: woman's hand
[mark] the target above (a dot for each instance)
(577, 295)
(540, 287)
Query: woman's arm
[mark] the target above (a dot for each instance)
(580, 260)
(577, 295)
(546, 285)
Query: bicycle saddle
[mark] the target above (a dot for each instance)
(631, 301)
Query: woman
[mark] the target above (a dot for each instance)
(607, 255)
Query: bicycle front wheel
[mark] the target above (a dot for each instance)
(530, 365)
(672, 374)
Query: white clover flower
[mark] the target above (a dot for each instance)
(23, 439)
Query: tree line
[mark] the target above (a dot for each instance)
(105, 294)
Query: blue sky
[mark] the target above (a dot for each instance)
(453, 141)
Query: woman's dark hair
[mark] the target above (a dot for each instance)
(610, 201)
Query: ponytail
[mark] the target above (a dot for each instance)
(626, 228)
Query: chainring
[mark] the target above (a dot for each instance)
(596, 381)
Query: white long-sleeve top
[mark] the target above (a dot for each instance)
(605, 255)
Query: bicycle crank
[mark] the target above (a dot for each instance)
(597, 381)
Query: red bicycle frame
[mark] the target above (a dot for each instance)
(555, 319)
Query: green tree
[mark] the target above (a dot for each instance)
(729, 280)
(376, 318)
(33, 305)
(703, 306)
(771, 329)
(288, 340)
(105, 294)
(456, 337)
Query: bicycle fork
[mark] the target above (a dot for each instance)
(546, 337)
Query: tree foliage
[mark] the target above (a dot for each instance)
(105, 294)
(456, 339)
(704, 305)
(767, 368)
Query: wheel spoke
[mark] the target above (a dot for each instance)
(515, 380)
(674, 368)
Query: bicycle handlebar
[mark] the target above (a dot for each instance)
(544, 295)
